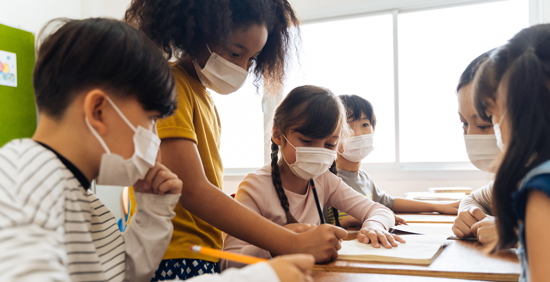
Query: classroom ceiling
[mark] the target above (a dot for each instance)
(317, 9)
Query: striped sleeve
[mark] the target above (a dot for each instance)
(31, 214)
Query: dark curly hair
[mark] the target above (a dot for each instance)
(184, 27)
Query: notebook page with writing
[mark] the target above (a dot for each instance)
(419, 249)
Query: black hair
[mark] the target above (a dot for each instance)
(100, 53)
(469, 73)
(356, 105)
(519, 74)
(185, 27)
(314, 112)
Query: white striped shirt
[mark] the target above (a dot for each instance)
(53, 228)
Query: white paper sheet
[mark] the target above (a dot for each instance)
(419, 249)
(8, 69)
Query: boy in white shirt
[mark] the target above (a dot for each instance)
(100, 85)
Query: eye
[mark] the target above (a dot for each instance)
(465, 124)
(366, 125)
(331, 145)
(484, 127)
(235, 55)
(306, 141)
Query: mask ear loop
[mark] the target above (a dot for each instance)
(283, 155)
(97, 136)
(121, 114)
(289, 142)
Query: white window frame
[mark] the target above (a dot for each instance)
(396, 170)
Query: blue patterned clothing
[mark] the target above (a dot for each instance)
(537, 179)
(184, 269)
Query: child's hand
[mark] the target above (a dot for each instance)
(465, 221)
(486, 230)
(376, 234)
(451, 208)
(299, 227)
(159, 180)
(323, 242)
(293, 268)
(399, 221)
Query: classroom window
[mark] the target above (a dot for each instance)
(355, 55)
(435, 46)
(242, 142)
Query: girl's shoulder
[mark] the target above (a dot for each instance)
(328, 179)
(537, 179)
(258, 180)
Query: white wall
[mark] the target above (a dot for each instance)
(32, 15)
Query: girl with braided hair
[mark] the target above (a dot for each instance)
(307, 128)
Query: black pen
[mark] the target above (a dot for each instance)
(312, 184)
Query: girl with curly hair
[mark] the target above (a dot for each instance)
(214, 44)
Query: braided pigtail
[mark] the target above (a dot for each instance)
(276, 178)
(335, 211)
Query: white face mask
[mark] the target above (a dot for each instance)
(310, 161)
(482, 150)
(357, 148)
(498, 134)
(220, 75)
(115, 170)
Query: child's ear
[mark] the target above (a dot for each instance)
(95, 102)
(277, 136)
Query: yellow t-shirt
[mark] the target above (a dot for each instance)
(196, 119)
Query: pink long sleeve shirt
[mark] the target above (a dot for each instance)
(257, 193)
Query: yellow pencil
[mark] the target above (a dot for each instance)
(236, 257)
(226, 255)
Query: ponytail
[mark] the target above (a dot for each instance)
(527, 103)
(276, 178)
(335, 211)
(522, 68)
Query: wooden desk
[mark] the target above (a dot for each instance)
(459, 260)
(362, 277)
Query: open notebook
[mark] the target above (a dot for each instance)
(419, 249)
(440, 229)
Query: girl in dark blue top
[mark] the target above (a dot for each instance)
(513, 90)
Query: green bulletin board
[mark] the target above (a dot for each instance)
(17, 108)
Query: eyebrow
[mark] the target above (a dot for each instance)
(239, 46)
(244, 48)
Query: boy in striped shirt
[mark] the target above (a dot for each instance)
(100, 85)
(96, 81)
